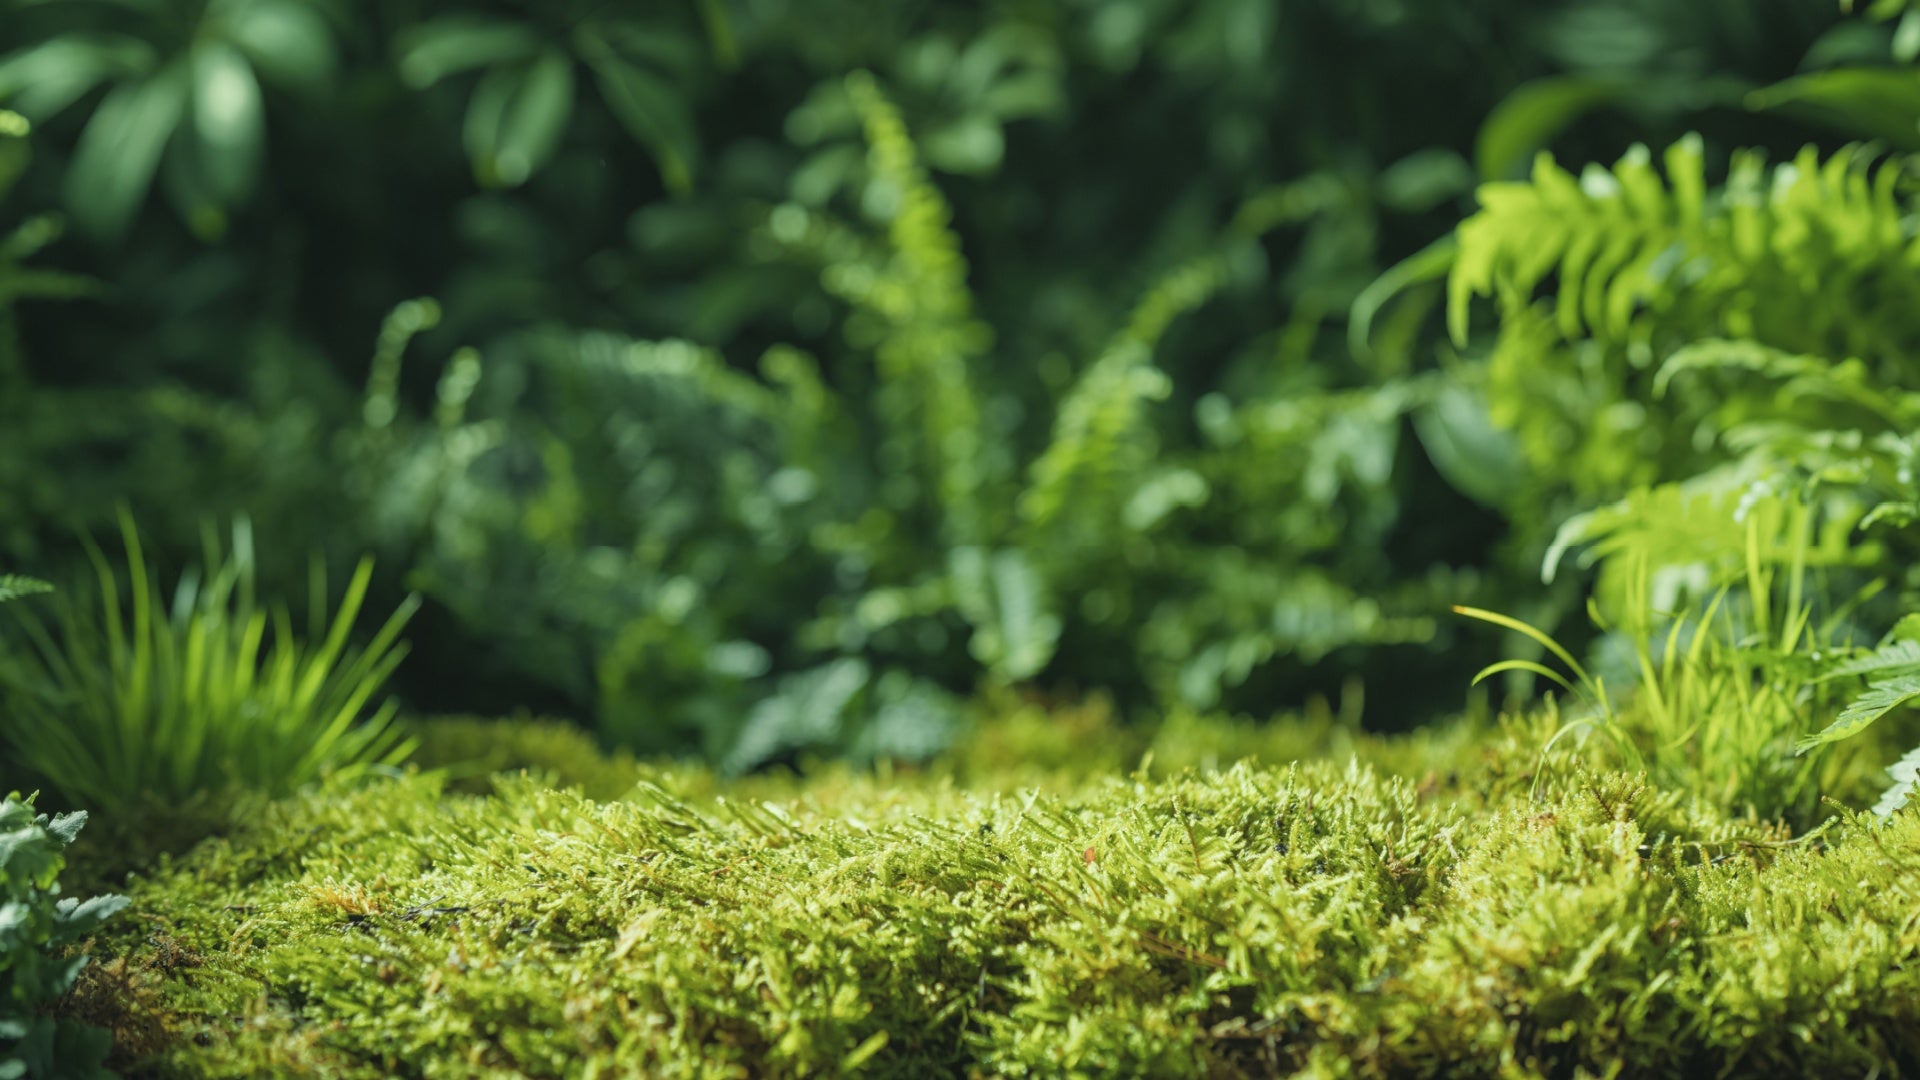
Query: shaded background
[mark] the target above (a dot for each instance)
(635, 339)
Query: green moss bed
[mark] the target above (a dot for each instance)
(1063, 898)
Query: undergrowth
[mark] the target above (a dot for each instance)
(118, 704)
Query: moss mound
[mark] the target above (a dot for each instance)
(1319, 919)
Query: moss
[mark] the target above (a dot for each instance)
(1321, 918)
(472, 749)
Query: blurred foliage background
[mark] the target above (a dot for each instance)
(750, 378)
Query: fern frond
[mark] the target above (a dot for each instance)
(700, 370)
(1709, 523)
(1716, 354)
(930, 336)
(1878, 700)
(1905, 774)
(1602, 235)
(1898, 658)
(1810, 255)
(1101, 432)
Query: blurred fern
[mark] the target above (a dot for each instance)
(926, 334)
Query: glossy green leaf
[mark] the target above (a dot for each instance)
(1478, 457)
(1430, 263)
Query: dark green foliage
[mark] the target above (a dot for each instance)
(38, 933)
(1058, 401)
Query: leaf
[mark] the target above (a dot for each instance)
(83, 915)
(1527, 119)
(1530, 666)
(1430, 263)
(1881, 102)
(971, 145)
(46, 285)
(41, 80)
(114, 163)
(1423, 180)
(517, 117)
(1528, 630)
(809, 709)
(451, 44)
(28, 856)
(1722, 353)
(1895, 658)
(1480, 459)
(1880, 698)
(66, 828)
(14, 156)
(648, 107)
(288, 42)
(1015, 629)
(227, 121)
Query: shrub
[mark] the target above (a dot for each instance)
(38, 930)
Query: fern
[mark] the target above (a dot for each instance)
(1905, 776)
(1102, 434)
(1893, 679)
(929, 337)
(1805, 255)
